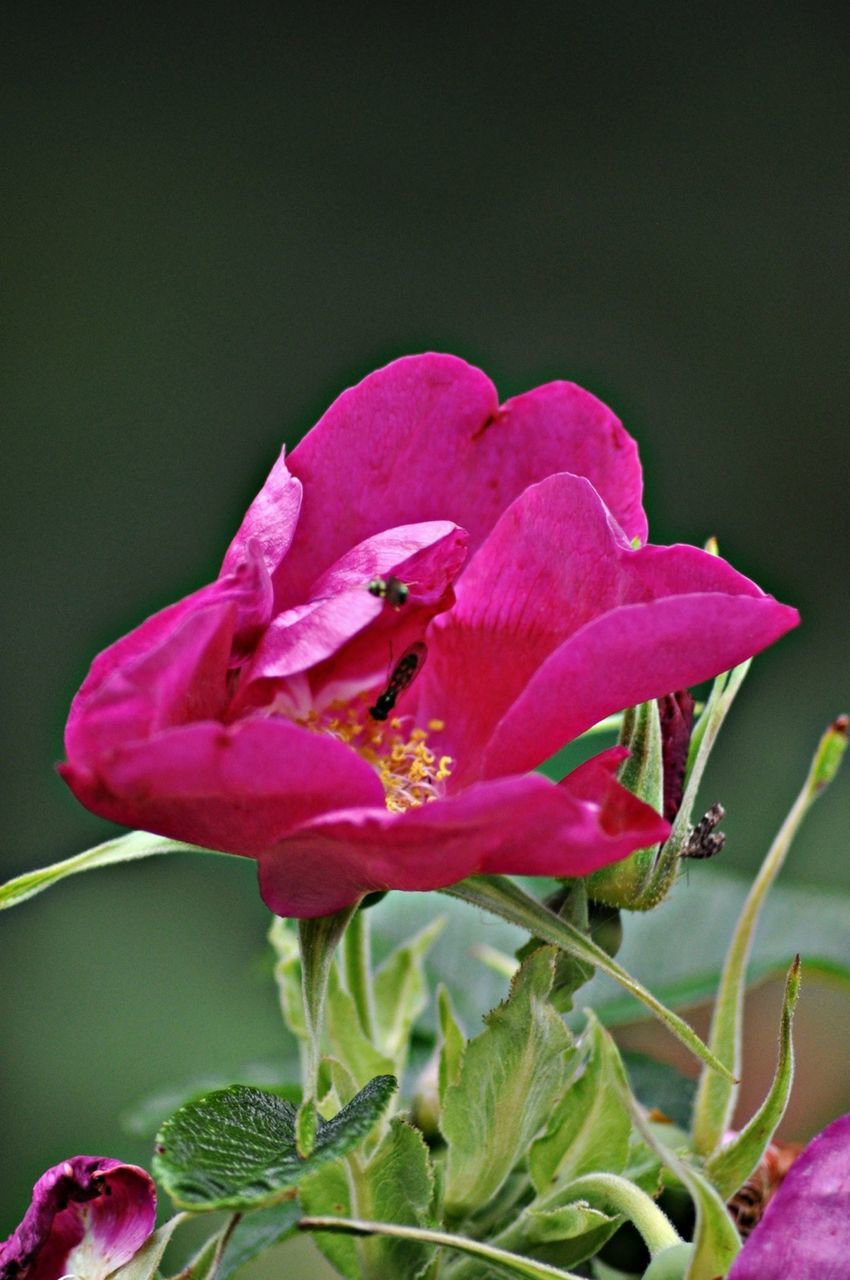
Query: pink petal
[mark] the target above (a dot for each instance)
(424, 439)
(428, 556)
(88, 1216)
(559, 622)
(238, 787)
(269, 523)
(523, 826)
(805, 1231)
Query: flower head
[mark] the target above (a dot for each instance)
(88, 1216)
(429, 598)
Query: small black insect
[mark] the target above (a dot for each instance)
(704, 841)
(404, 671)
(393, 590)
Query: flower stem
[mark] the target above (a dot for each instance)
(511, 1262)
(624, 1197)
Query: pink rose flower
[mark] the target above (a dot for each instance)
(88, 1216)
(429, 598)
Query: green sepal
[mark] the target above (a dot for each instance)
(732, 1164)
(628, 882)
(401, 993)
(129, 848)
(571, 972)
(236, 1148)
(589, 1126)
(716, 1094)
(508, 1081)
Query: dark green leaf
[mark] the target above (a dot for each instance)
(235, 1149)
(256, 1233)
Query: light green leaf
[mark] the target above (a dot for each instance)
(452, 1043)
(397, 1185)
(732, 1164)
(235, 1149)
(255, 1233)
(129, 848)
(283, 936)
(327, 1192)
(717, 1094)
(348, 1042)
(509, 1079)
(145, 1264)
(570, 904)
(401, 993)
(589, 1127)
(504, 897)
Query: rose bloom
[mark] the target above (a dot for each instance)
(88, 1216)
(426, 600)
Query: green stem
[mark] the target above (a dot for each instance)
(357, 967)
(317, 940)
(618, 1193)
(503, 897)
(717, 1094)
(511, 1263)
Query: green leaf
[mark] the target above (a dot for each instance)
(328, 1192)
(256, 1233)
(504, 897)
(588, 1129)
(716, 1094)
(397, 1183)
(235, 1149)
(509, 1079)
(283, 936)
(401, 993)
(129, 848)
(452, 1044)
(732, 1164)
(145, 1264)
(716, 1239)
(348, 1042)
(500, 1261)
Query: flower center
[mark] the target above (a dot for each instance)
(409, 770)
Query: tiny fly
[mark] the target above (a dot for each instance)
(393, 590)
(410, 662)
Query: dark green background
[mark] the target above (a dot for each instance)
(217, 219)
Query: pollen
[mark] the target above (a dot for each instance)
(410, 771)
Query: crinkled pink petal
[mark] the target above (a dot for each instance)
(425, 439)
(805, 1231)
(428, 556)
(269, 523)
(523, 825)
(182, 678)
(88, 1216)
(237, 787)
(559, 622)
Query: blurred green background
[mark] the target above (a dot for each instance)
(217, 218)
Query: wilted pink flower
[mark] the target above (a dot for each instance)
(805, 1231)
(239, 718)
(88, 1216)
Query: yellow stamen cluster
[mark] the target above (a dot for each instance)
(409, 770)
